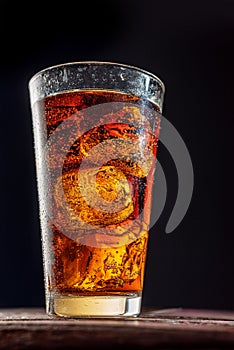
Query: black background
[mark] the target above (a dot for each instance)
(190, 46)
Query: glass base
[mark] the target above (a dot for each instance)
(95, 306)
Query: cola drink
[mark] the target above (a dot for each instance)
(96, 127)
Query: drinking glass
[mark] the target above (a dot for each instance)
(96, 127)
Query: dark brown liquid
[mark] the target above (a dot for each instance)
(96, 261)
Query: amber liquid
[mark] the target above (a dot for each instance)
(91, 261)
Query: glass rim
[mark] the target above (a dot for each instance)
(127, 66)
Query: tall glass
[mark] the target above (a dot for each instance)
(96, 127)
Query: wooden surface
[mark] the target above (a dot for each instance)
(159, 329)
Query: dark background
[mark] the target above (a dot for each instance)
(190, 46)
